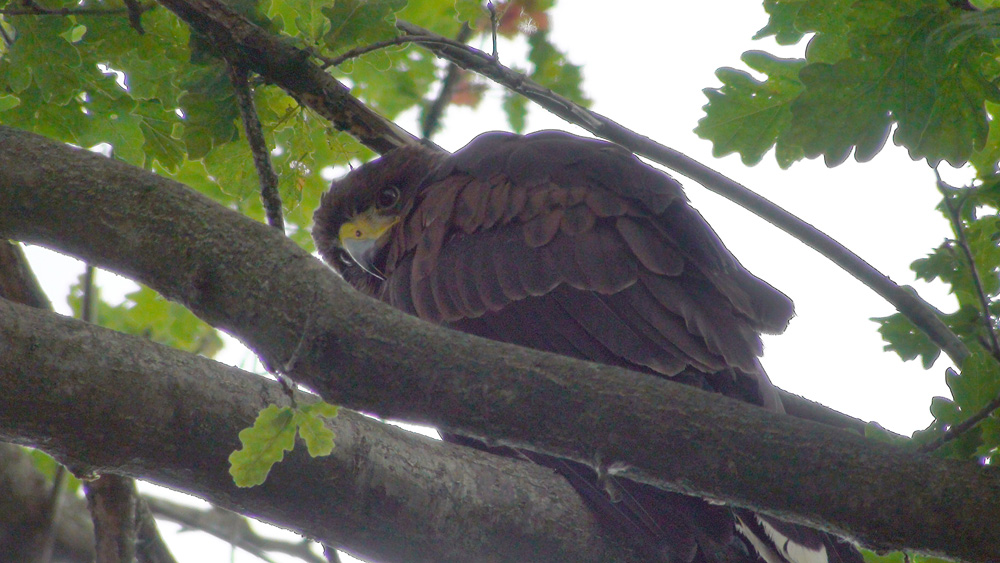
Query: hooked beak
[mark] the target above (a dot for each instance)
(363, 236)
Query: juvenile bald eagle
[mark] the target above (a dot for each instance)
(574, 246)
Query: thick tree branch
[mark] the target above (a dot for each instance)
(103, 401)
(906, 302)
(366, 356)
(290, 68)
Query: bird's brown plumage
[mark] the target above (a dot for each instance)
(572, 246)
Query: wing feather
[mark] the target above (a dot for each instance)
(573, 246)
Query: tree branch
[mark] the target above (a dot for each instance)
(269, 195)
(229, 527)
(112, 502)
(920, 313)
(367, 356)
(102, 400)
(289, 67)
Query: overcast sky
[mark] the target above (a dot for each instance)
(645, 64)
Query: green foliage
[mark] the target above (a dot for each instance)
(908, 341)
(747, 115)
(163, 101)
(897, 557)
(926, 71)
(145, 313)
(979, 382)
(361, 22)
(47, 466)
(273, 434)
(924, 66)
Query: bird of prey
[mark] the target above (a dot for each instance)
(574, 246)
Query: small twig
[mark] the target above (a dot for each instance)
(88, 303)
(135, 15)
(918, 311)
(431, 121)
(230, 527)
(957, 430)
(258, 146)
(494, 23)
(358, 51)
(963, 243)
(954, 215)
(17, 281)
(7, 39)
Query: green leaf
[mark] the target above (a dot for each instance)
(144, 312)
(470, 11)
(748, 116)
(273, 434)
(899, 557)
(264, 444)
(516, 108)
(781, 23)
(906, 340)
(48, 466)
(54, 62)
(831, 119)
(361, 22)
(301, 18)
(159, 144)
(553, 70)
(937, 96)
(311, 422)
(978, 384)
(9, 101)
(74, 34)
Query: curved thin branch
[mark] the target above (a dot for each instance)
(229, 527)
(918, 311)
(378, 45)
(954, 214)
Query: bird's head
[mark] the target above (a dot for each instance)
(355, 220)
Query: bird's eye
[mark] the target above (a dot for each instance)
(386, 198)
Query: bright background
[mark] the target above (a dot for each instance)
(645, 64)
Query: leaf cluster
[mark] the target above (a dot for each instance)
(273, 434)
(973, 213)
(924, 70)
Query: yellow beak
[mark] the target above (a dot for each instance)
(363, 236)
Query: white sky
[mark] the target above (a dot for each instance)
(645, 64)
